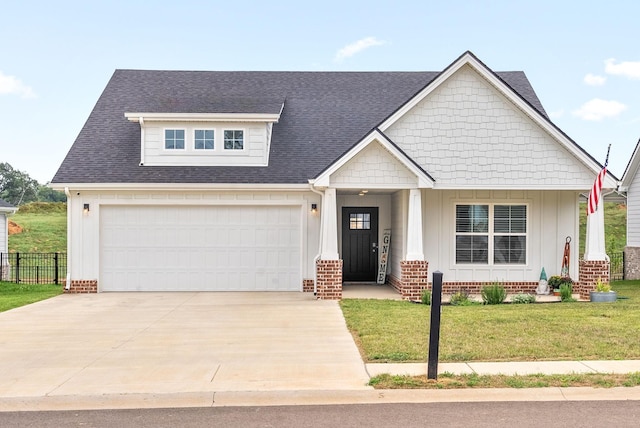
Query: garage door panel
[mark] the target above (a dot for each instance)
(200, 248)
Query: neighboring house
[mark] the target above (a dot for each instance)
(6, 209)
(196, 180)
(630, 185)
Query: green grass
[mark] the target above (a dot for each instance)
(450, 381)
(615, 227)
(392, 331)
(15, 295)
(44, 229)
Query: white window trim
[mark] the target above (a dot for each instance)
(215, 140)
(164, 140)
(491, 235)
(244, 140)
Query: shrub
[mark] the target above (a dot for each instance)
(460, 298)
(523, 298)
(425, 297)
(565, 293)
(493, 294)
(602, 287)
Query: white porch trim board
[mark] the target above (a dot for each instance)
(329, 226)
(415, 249)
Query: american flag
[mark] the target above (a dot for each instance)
(596, 189)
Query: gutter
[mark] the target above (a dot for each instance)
(67, 286)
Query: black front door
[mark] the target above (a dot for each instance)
(359, 243)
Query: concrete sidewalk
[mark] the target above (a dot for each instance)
(509, 368)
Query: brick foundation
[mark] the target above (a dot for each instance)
(329, 277)
(590, 272)
(632, 263)
(413, 279)
(474, 287)
(81, 286)
(307, 285)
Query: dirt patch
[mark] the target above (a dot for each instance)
(14, 228)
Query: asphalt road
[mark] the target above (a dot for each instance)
(563, 414)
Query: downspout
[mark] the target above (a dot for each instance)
(67, 286)
(317, 257)
(141, 120)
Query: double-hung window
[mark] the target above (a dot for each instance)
(203, 139)
(174, 139)
(491, 234)
(233, 139)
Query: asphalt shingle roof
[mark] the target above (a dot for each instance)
(5, 204)
(325, 113)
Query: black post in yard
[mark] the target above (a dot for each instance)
(434, 327)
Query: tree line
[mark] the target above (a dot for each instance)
(18, 188)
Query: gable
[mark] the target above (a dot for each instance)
(468, 134)
(373, 167)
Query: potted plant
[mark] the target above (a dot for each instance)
(603, 292)
(556, 281)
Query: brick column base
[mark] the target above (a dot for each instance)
(631, 262)
(329, 279)
(307, 285)
(81, 286)
(590, 272)
(413, 279)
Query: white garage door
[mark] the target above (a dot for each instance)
(216, 248)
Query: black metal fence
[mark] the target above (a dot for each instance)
(33, 268)
(616, 266)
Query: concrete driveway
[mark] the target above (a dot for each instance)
(166, 343)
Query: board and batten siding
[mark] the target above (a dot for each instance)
(255, 150)
(551, 215)
(84, 235)
(4, 233)
(633, 212)
(466, 133)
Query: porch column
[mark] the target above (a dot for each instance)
(414, 269)
(415, 250)
(595, 265)
(329, 266)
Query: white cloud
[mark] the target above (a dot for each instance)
(356, 47)
(13, 85)
(597, 109)
(628, 69)
(556, 114)
(593, 80)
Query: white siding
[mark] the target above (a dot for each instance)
(4, 238)
(633, 213)
(375, 167)
(467, 134)
(84, 237)
(552, 216)
(399, 216)
(255, 150)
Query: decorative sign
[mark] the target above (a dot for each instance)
(384, 256)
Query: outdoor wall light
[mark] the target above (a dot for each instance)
(314, 208)
(85, 209)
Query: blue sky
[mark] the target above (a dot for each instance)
(583, 60)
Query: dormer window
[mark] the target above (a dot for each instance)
(174, 139)
(233, 139)
(204, 139)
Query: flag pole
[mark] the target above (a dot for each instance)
(606, 161)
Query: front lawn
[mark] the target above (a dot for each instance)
(395, 331)
(14, 295)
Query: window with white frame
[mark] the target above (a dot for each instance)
(174, 139)
(203, 139)
(491, 233)
(233, 139)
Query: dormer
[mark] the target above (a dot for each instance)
(238, 134)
